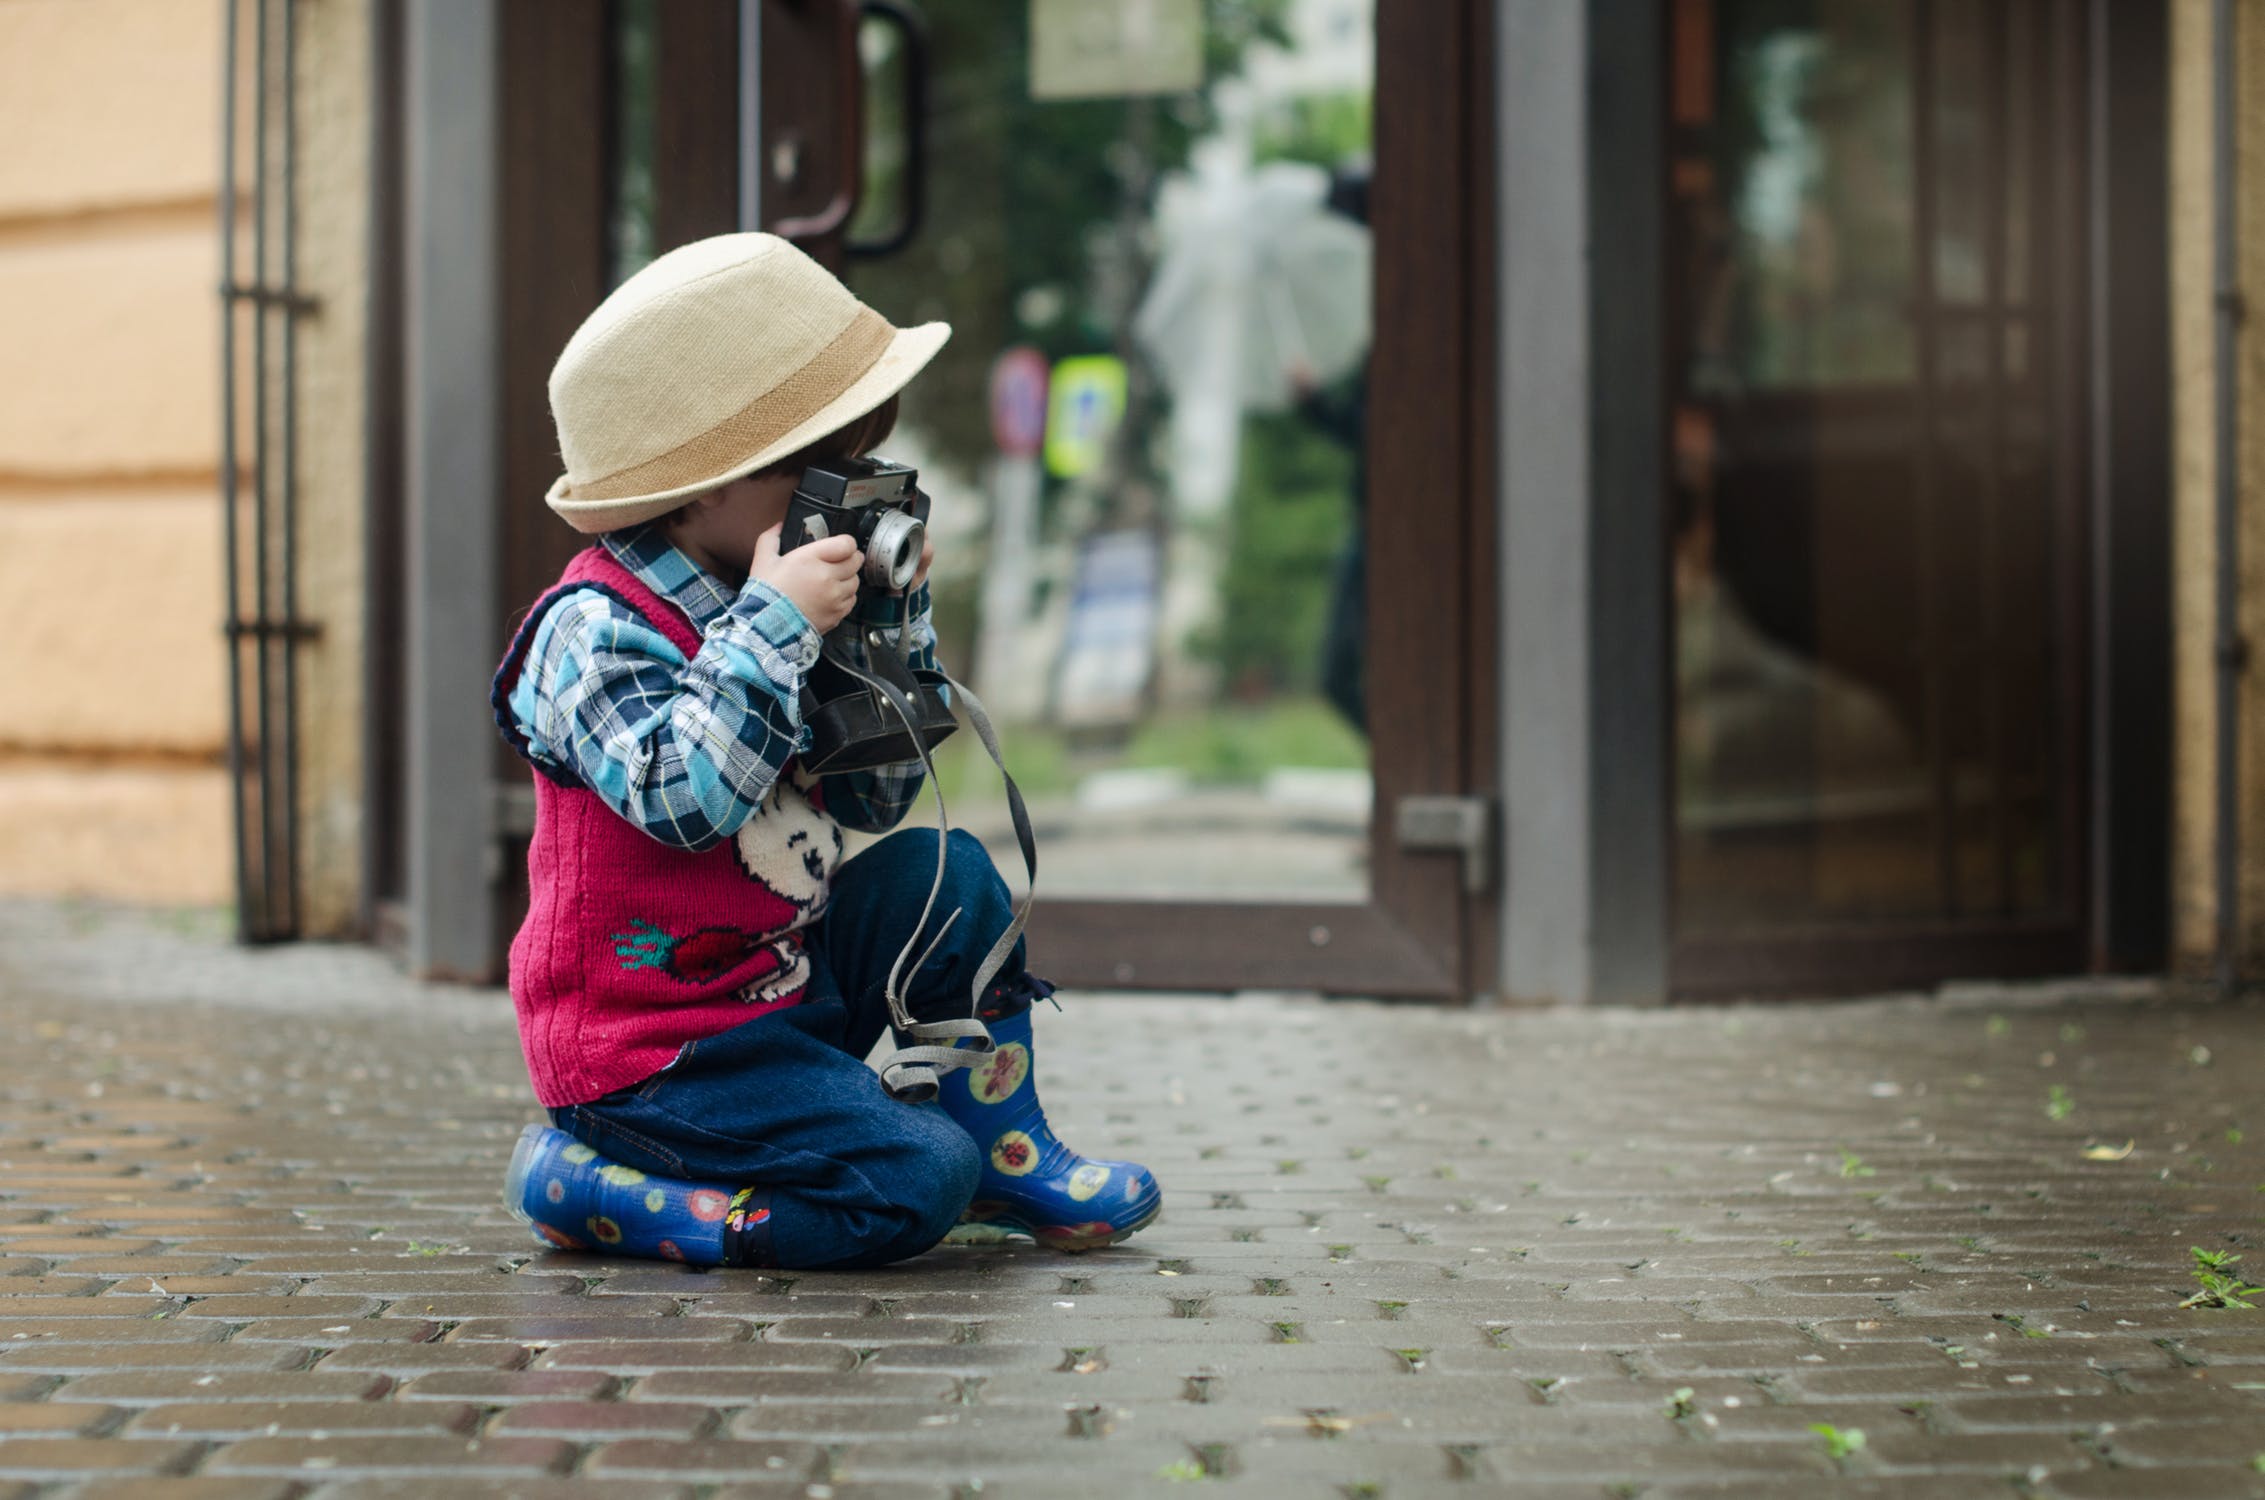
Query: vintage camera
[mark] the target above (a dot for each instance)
(866, 704)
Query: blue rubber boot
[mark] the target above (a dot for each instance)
(575, 1199)
(1031, 1181)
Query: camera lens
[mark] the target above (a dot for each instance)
(892, 556)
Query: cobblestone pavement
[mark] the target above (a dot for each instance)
(250, 1246)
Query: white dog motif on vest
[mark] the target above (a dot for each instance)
(790, 848)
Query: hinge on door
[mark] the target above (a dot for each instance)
(1451, 825)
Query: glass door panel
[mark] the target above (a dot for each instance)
(1875, 558)
(1146, 438)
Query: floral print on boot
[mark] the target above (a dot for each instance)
(1031, 1181)
(575, 1199)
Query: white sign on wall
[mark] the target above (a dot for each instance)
(1095, 49)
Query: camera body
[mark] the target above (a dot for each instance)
(877, 502)
(866, 704)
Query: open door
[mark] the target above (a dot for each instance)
(1213, 494)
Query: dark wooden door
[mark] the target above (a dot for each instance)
(1290, 885)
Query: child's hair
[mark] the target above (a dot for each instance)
(858, 438)
(854, 440)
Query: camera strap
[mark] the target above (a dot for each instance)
(910, 1073)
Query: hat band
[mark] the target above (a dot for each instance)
(759, 425)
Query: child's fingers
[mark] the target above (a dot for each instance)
(767, 546)
(833, 549)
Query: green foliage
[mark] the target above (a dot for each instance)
(1841, 1444)
(1324, 129)
(1022, 194)
(2221, 1285)
(1292, 515)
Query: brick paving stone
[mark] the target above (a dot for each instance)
(550, 1331)
(705, 1460)
(15, 1289)
(740, 1387)
(71, 1458)
(508, 1387)
(136, 1266)
(627, 1353)
(2188, 1482)
(307, 1456)
(415, 1359)
(67, 1418)
(429, 1487)
(155, 1387)
(1844, 1487)
(591, 1421)
(322, 1333)
(58, 1357)
(183, 1489)
(1499, 1269)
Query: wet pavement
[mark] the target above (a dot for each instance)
(250, 1246)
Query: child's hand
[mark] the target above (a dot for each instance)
(927, 556)
(820, 576)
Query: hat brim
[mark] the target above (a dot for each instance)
(907, 355)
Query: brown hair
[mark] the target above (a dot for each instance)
(854, 440)
(860, 436)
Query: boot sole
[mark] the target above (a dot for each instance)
(1069, 1244)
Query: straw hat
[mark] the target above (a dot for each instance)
(719, 358)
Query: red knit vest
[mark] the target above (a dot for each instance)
(632, 948)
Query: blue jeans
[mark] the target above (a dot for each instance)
(786, 1104)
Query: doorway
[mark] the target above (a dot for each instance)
(1216, 305)
(1878, 509)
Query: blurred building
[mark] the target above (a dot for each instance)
(1781, 502)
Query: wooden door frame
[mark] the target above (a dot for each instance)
(1430, 479)
(1431, 538)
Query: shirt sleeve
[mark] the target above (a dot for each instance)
(685, 750)
(876, 800)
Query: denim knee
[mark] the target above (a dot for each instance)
(952, 1165)
(937, 1171)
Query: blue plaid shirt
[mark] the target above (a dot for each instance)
(687, 750)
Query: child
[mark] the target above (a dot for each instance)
(700, 973)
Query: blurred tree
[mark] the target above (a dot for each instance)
(1027, 203)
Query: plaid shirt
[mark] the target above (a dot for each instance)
(687, 750)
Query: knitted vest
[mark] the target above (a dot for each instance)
(631, 947)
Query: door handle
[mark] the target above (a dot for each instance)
(912, 33)
(849, 122)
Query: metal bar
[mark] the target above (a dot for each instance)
(228, 472)
(1926, 525)
(1996, 138)
(268, 296)
(381, 437)
(2099, 723)
(288, 479)
(2226, 229)
(451, 112)
(2070, 753)
(751, 114)
(261, 918)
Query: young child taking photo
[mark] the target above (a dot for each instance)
(701, 973)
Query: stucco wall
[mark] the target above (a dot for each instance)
(111, 779)
(333, 264)
(109, 536)
(2194, 521)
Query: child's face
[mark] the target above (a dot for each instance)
(720, 530)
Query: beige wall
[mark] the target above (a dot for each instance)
(111, 782)
(109, 755)
(2194, 524)
(333, 263)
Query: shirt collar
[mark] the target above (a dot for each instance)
(662, 567)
